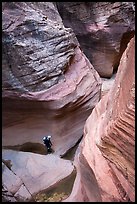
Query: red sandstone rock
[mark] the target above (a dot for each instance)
(36, 51)
(49, 86)
(102, 28)
(108, 146)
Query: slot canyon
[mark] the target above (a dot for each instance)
(68, 70)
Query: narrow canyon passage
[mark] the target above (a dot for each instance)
(68, 71)
(30, 128)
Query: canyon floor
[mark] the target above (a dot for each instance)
(31, 154)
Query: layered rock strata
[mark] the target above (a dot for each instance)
(106, 157)
(102, 28)
(49, 86)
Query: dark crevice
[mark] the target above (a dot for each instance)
(126, 37)
(28, 147)
(69, 155)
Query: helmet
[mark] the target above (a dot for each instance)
(44, 138)
(48, 136)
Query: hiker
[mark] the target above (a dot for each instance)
(48, 143)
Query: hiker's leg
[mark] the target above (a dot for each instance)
(48, 149)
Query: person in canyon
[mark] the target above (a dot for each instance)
(48, 143)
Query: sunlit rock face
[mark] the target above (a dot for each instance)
(49, 86)
(102, 28)
(108, 146)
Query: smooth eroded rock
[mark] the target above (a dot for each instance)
(49, 86)
(108, 144)
(102, 28)
(31, 173)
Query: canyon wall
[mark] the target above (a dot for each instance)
(102, 28)
(105, 159)
(48, 84)
(50, 87)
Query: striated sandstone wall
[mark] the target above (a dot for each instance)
(49, 86)
(102, 28)
(36, 49)
(108, 147)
